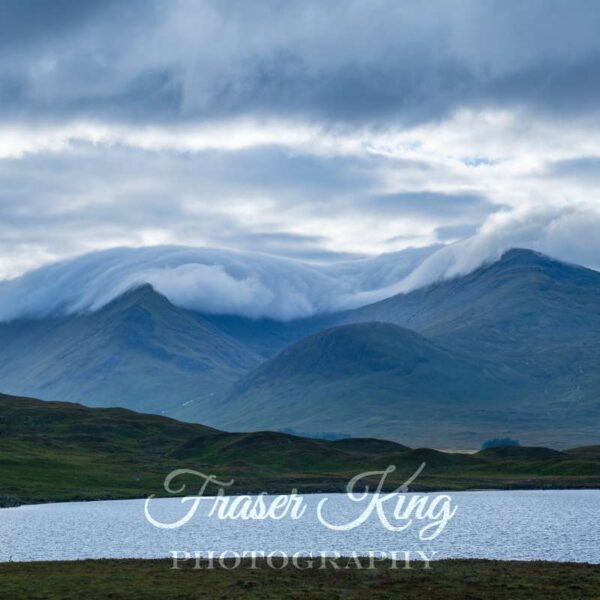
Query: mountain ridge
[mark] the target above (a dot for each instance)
(527, 323)
(138, 351)
(528, 319)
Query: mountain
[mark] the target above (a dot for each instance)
(51, 451)
(139, 351)
(524, 329)
(525, 312)
(530, 315)
(509, 350)
(524, 302)
(366, 378)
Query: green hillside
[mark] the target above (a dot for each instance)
(51, 451)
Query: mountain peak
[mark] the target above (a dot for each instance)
(519, 262)
(140, 295)
(351, 349)
(524, 255)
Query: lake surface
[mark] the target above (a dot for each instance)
(521, 525)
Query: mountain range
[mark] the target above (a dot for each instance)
(509, 350)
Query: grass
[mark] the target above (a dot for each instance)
(54, 451)
(154, 579)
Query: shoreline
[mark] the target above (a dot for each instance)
(151, 579)
(204, 562)
(386, 489)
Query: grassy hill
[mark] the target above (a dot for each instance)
(51, 451)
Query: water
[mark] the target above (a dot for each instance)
(520, 525)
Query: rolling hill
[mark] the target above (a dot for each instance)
(51, 451)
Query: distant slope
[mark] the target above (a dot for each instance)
(139, 351)
(366, 378)
(526, 312)
(60, 451)
(526, 324)
(537, 320)
(522, 298)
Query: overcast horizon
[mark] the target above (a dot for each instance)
(287, 129)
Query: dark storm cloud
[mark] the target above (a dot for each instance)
(348, 63)
(24, 23)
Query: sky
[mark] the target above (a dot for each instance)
(319, 132)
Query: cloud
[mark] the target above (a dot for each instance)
(324, 198)
(208, 280)
(583, 169)
(451, 233)
(568, 234)
(258, 285)
(157, 61)
(296, 203)
(322, 135)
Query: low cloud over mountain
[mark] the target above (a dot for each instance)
(260, 285)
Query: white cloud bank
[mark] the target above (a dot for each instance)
(259, 285)
(208, 280)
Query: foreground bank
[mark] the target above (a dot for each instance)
(446, 580)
